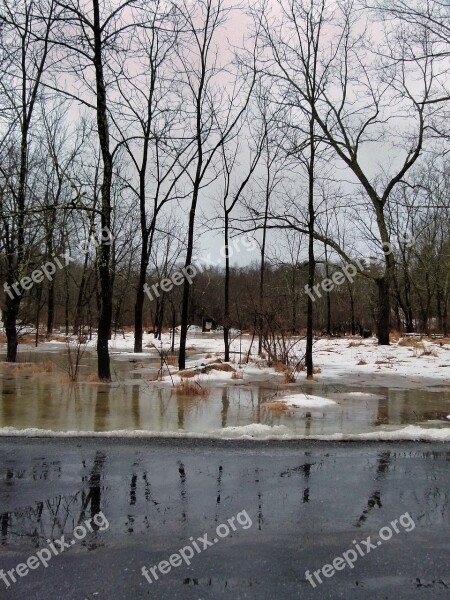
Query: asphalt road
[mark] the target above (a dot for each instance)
(297, 506)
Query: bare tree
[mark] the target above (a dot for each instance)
(353, 100)
(90, 35)
(232, 193)
(147, 117)
(25, 40)
(214, 111)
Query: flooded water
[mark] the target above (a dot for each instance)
(134, 402)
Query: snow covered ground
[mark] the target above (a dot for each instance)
(341, 360)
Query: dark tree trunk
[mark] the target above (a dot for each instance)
(105, 318)
(139, 304)
(262, 268)
(80, 297)
(311, 257)
(50, 307)
(384, 310)
(352, 309)
(328, 295)
(174, 323)
(187, 284)
(226, 310)
(12, 310)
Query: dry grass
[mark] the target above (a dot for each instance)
(237, 375)
(29, 368)
(55, 338)
(222, 367)
(190, 388)
(277, 407)
(279, 367)
(172, 360)
(395, 335)
(410, 342)
(288, 377)
(429, 353)
(262, 355)
(188, 373)
(93, 378)
(26, 339)
(362, 362)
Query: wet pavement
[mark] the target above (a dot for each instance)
(309, 502)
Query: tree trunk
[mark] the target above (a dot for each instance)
(262, 269)
(311, 257)
(328, 296)
(187, 284)
(139, 304)
(105, 318)
(12, 310)
(384, 310)
(50, 307)
(226, 310)
(352, 309)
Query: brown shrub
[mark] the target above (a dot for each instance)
(190, 388)
(395, 335)
(172, 360)
(362, 362)
(26, 339)
(93, 378)
(237, 375)
(209, 355)
(411, 342)
(279, 367)
(29, 368)
(288, 377)
(429, 353)
(188, 373)
(222, 367)
(55, 338)
(277, 406)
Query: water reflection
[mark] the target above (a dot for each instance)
(43, 401)
(191, 495)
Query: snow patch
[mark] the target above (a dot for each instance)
(252, 431)
(307, 401)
